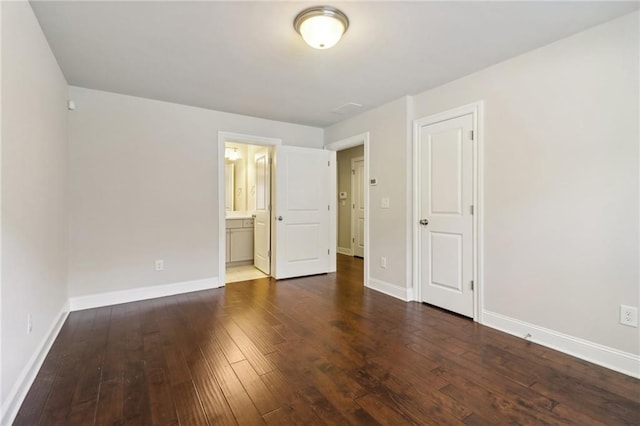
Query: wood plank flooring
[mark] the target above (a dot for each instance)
(316, 350)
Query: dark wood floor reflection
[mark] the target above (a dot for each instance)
(317, 350)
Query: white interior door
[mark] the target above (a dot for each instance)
(301, 211)
(262, 216)
(445, 191)
(357, 206)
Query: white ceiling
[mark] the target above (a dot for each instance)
(245, 57)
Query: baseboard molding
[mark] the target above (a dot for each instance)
(605, 356)
(142, 293)
(402, 293)
(410, 296)
(347, 251)
(19, 390)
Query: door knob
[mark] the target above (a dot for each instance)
(280, 218)
(424, 222)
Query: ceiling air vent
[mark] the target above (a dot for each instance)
(347, 108)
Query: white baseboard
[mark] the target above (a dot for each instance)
(605, 356)
(347, 251)
(142, 293)
(18, 392)
(410, 296)
(402, 293)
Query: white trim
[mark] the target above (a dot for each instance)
(3, 409)
(345, 251)
(350, 142)
(410, 295)
(476, 109)
(141, 293)
(16, 395)
(411, 284)
(222, 241)
(403, 293)
(333, 212)
(361, 139)
(605, 356)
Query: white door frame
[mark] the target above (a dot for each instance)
(240, 138)
(476, 109)
(361, 139)
(353, 223)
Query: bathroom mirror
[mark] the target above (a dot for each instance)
(235, 173)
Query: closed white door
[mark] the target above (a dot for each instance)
(357, 206)
(445, 192)
(262, 219)
(301, 211)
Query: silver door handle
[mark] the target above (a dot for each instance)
(424, 222)
(280, 218)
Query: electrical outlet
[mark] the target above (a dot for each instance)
(383, 262)
(160, 265)
(629, 315)
(29, 323)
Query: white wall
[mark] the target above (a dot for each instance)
(389, 154)
(34, 200)
(144, 187)
(561, 189)
(561, 181)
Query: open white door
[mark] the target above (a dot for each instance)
(357, 206)
(445, 190)
(301, 211)
(262, 217)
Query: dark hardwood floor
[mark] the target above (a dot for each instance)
(316, 350)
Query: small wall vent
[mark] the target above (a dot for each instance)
(347, 108)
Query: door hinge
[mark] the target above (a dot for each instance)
(353, 240)
(472, 285)
(353, 206)
(269, 253)
(328, 251)
(471, 209)
(353, 172)
(328, 163)
(329, 207)
(471, 135)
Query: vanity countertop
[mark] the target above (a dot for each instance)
(238, 215)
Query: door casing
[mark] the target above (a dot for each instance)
(476, 109)
(339, 145)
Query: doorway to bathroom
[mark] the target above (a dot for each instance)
(295, 202)
(247, 189)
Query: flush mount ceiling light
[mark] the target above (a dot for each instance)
(231, 155)
(321, 26)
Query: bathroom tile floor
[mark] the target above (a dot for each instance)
(243, 273)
